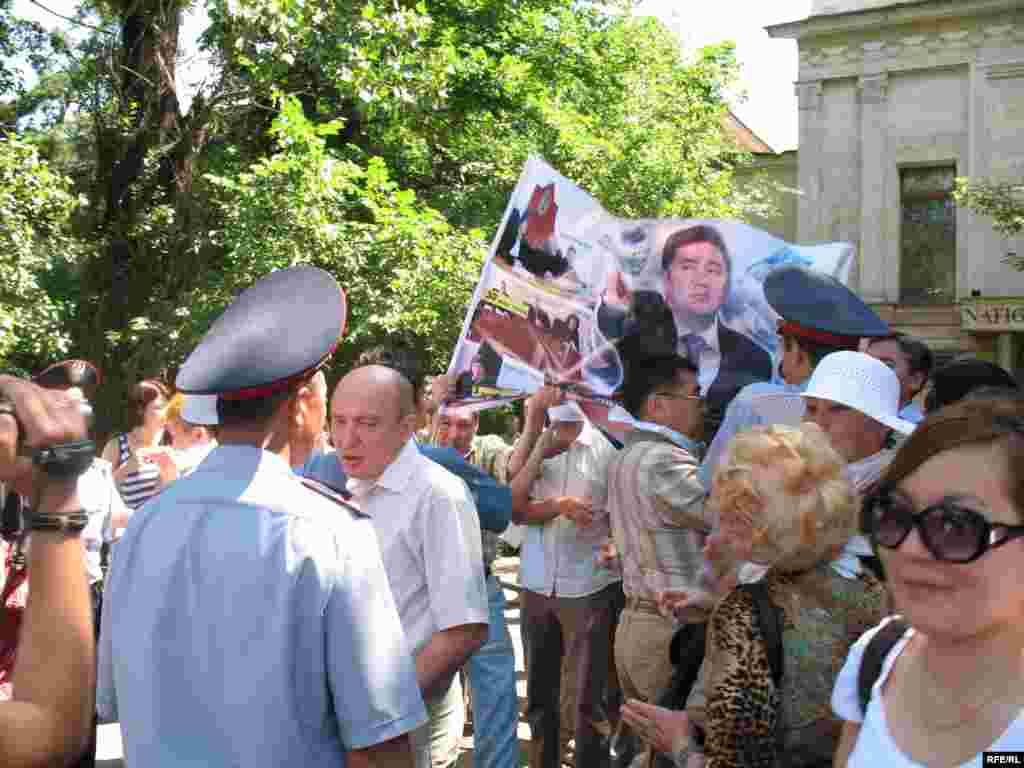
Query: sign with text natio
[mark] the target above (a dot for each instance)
(992, 315)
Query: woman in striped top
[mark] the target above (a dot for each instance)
(133, 454)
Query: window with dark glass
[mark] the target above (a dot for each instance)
(927, 236)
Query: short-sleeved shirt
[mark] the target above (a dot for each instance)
(557, 557)
(98, 496)
(248, 621)
(429, 537)
(657, 508)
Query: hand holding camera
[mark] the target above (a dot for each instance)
(51, 428)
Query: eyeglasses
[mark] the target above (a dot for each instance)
(674, 396)
(952, 532)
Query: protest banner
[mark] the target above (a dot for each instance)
(569, 293)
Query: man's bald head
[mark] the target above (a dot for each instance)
(382, 380)
(373, 415)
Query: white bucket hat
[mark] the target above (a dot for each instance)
(200, 410)
(860, 382)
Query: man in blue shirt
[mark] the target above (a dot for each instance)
(250, 619)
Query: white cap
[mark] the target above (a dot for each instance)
(860, 382)
(200, 410)
(568, 411)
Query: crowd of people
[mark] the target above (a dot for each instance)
(266, 571)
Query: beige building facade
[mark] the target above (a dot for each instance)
(896, 100)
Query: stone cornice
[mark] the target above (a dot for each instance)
(887, 17)
(900, 51)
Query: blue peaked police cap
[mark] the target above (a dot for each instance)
(276, 333)
(819, 308)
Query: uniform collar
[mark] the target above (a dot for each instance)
(235, 453)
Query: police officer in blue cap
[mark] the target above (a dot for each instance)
(819, 315)
(250, 619)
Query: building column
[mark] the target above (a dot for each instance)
(809, 176)
(878, 277)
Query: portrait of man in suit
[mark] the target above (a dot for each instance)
(696, 267)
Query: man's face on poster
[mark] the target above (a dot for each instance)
(697, 279)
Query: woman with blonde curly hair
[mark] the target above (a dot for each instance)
(784, 505)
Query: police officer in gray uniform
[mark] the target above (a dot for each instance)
(249, 619)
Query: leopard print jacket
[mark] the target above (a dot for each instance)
(751, 723)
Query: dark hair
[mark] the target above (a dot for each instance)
(919, 357)
(967, 422)
(953, 381)
(257, 412)
(645, 375)
(698, 234)
(406, 361)
(141, 395)
(995, 393)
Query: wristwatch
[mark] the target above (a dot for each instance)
(67, 522)
(66, 460)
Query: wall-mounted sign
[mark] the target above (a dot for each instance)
(992, 314)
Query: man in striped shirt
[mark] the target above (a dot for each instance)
(656, 505)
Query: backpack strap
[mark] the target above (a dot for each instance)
(770, 624)
(874, 657)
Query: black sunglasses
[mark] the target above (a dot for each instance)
(952, 532)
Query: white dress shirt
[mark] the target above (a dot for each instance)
(429, 536)
(710, 357)
(557, 557)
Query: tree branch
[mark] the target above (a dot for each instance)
(70, 19)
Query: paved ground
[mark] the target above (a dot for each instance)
(109, 752)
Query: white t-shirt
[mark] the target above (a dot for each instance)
(875, 746)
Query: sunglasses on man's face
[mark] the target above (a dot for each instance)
(952, 532)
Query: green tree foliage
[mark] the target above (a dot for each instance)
(35, 243)
(1002, 201)
(379, 140)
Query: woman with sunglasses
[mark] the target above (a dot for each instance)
(946, 521)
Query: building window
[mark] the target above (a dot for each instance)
(927, 236)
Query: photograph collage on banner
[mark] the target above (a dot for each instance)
(570, 293)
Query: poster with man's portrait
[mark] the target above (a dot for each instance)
(570, 295)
